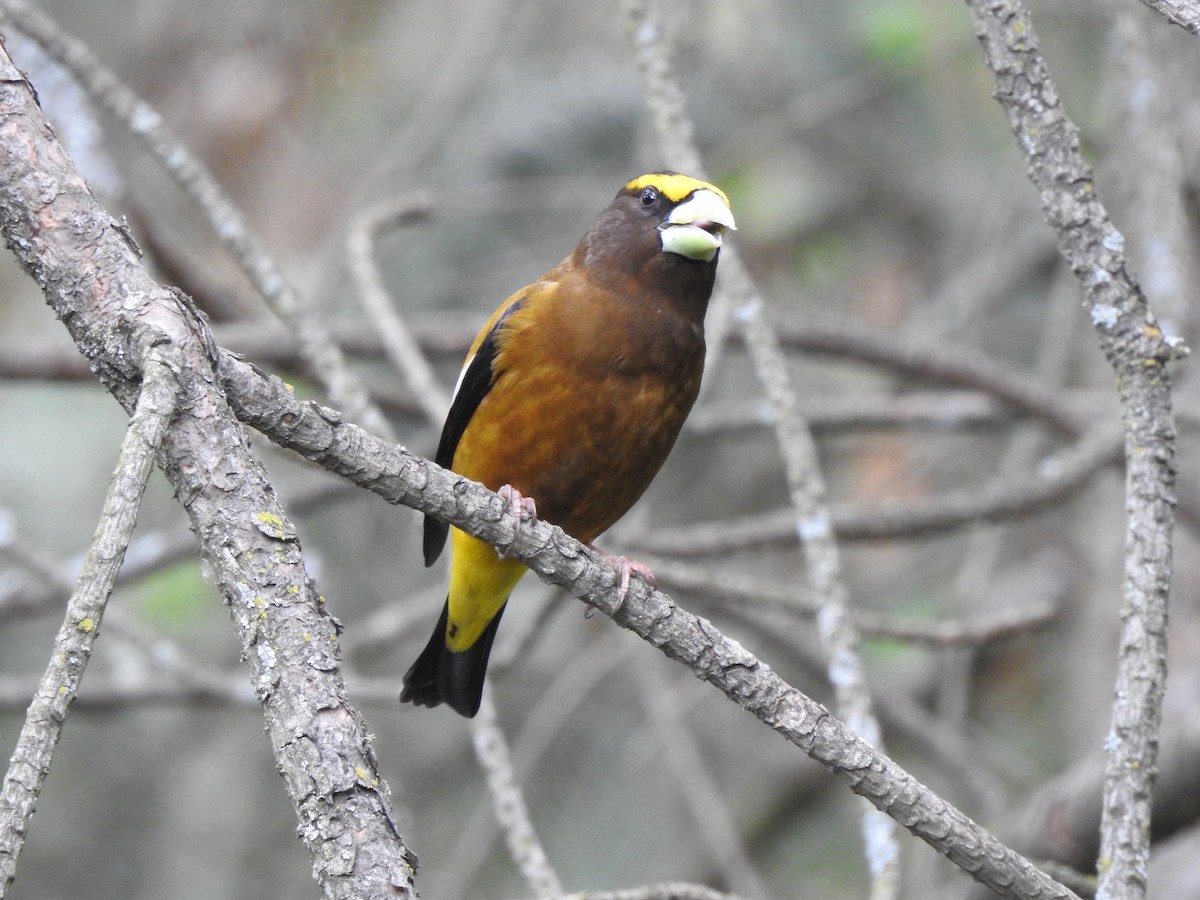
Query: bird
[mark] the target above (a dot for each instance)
(570, 399)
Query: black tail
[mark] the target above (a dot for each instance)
(442, 676)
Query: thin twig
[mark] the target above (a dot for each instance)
(813, 524)
(54, 587)
(491, 749)
(1054, 478)
(669, 891)
(462, 66)
(540, 727)
(399, 344)
(230, 691)
(728, 589)
(963, 368)
(956, 682)
(922, 412)
(1149, 162)
(104, 696)
(30, 762)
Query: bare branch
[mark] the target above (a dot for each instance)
(710, 812)
(1054, 477)
(399, 344)
(806, 484)
(729, 588)
(672, 891)
(984, 546)
(540, 727)
(224, 218)
(1185, 13)
(491, 749)
(30, 762)
(1150, 163)
(1137, 351)
(920, 411)
(94, 281)
(962, 368)
(398, 476)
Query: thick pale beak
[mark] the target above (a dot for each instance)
(694, 228)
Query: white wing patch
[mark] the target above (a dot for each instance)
(461, 376)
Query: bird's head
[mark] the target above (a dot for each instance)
(663, 229)
(692, 215)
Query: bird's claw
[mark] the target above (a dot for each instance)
(521, 507)
(625, 568)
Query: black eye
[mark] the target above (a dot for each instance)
(649, 197)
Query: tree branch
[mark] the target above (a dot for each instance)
(30, 762)
(224, 218)
(711, 814)
(1054, 478)
(401, 477)
(1185, 13)
(512, 813)
(672, 891)
(806, 484)
(95, 283)
(399, 344)
(1137, 351)
(981, 629)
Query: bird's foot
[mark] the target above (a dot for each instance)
(520, 506)
(625, 569)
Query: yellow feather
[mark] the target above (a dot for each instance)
(675, 187)
(480, 582)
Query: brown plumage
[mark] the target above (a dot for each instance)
(573, 394)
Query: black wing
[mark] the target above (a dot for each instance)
(476, 382)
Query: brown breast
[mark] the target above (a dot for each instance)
(591, 389)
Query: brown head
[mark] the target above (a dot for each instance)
(662, 229)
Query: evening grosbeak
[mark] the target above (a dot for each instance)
(570, 399)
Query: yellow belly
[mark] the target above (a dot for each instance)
(480, 582)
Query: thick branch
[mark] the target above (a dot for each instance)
(94, 281)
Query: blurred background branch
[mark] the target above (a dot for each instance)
(810, 517)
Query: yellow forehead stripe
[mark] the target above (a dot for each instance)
(674, 187)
